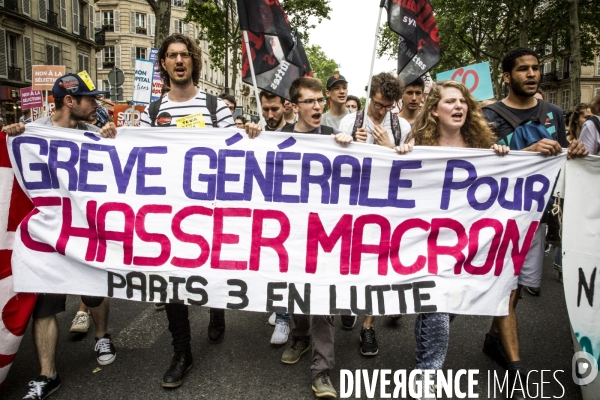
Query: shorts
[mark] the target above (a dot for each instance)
(533, 267)
(49, 304)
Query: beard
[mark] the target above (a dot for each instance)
(273, 123)
(517, 89)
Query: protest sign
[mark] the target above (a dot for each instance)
(47, 109)
(290, 223)
(122, 115)
(476, 78)
(142, 81)
(31, 98)
(45, 75)
(157, 83)
(581, 258)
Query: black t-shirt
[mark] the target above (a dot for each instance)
(555, 121)
(287, 124)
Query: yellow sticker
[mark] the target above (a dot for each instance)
(191, 121)
(87, 80)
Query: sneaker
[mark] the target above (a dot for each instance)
(517, 381)
(368, 343)
(322, 386)
(280, 333)
(81, 322)
(105, 349)
(427, 393)
(295, 350)
(181, 363)
(42, 387)
(348, 321)
(159, 306)
(493, 348)
(216, 326)
(534, 291)
(272, 319)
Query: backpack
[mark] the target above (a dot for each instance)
(211, 104)
(360, 115)
(596, 122)
(325, 130)
(526, 132)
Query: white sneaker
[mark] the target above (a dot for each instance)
(427, 393)
(272, 319)
(280, 333)
(81, 322)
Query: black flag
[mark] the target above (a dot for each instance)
(278, 55)
(419, 41)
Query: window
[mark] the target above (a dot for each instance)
(597, 92)
(105, 86)
(108, 21)
(140, 23)
(109, 57)
(598, 65)
(178, 3)
(83, 62)
(52, 54)
(177, 26)
(566, 104)
(11, 43)
(140, 52)
(552, 97)
(547, 68)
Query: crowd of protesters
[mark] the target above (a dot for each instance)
(447, 117)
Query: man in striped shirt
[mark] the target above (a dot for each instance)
(180, 65)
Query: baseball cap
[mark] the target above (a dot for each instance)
(334, 79)
(72, 84)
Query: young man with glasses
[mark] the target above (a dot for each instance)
(180, 65)
(337, 91)
(385, 129)
(230, 101)
(75, 104)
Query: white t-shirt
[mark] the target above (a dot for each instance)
(348, 123)
(170, 111)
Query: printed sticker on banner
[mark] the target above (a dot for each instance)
(191, 121)
(85, 77)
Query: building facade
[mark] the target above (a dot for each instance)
(41, 32)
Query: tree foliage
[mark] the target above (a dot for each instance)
(322, 66)
(473, 32)
(210, 15)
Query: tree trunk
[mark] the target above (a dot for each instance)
(162, 12)
(235, 50)
(528, 15)
(575, 54)
(496, 80)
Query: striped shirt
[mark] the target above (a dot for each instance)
(170, 111)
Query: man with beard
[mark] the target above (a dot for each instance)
(180, 64)
(337, 90)
(411, 99)
(273, 110)
(75, 104)
(521, 73)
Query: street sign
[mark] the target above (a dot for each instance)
(116, 77)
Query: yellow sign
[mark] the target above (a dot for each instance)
(191, 121)
(87, 80)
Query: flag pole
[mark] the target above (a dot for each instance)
(250, 61)
(373, 60)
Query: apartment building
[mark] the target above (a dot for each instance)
(556, 82)
(41, 32)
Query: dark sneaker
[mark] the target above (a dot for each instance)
(180, 364)
(534, 291)
(216, 326)
(517, 385)
(368, 343)
(105, 350)
(493, 348)
(323, 387)
(294, 351)
(348, 321)
(42, 387)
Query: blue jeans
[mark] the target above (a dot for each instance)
(432, 334)
(558, 257)
(283, 317)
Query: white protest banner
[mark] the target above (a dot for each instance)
(142, 81)
(283, 222)
(581, 261)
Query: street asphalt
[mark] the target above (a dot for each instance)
(245, 366)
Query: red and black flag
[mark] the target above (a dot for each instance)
(419, 41)
(277, 54)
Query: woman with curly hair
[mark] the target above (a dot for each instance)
(580, 114)
(451, 117)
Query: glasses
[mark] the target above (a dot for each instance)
(310, 102)
(184, 54)
(379, 106)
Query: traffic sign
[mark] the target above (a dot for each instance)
(116, 77)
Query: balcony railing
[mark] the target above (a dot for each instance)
(100, 37)
(83, 31)
(14, 73)
(550, 77)
(52, 19)
(108, 64)
(12, 5)
(109, 28)
(140, 30)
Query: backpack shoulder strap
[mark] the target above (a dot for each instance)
(542, 111)
(326, 130)
(596, 122)
(289, 128)
(508, 116)
(211, 104)
(153, 109)
(396, 131)
(360, 115)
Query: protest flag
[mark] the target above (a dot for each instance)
(419, 42)
(277, 54)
